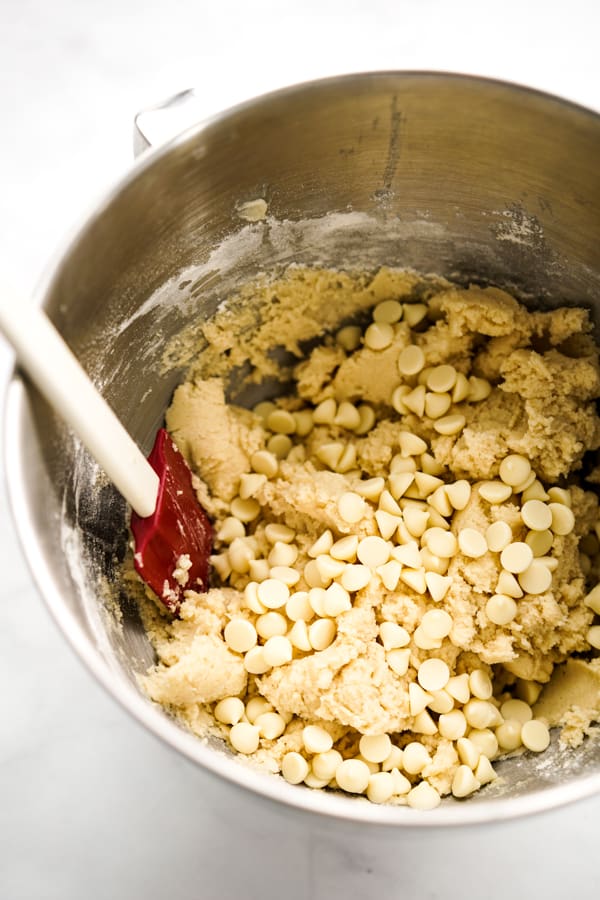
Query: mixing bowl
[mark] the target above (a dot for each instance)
(460, 176)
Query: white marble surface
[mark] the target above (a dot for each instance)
(90, 804)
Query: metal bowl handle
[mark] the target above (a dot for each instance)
(160, 123)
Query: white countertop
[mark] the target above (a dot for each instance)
(90, 804)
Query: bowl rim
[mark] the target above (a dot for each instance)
(150, 715)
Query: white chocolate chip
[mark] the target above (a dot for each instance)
(424, 724)
(442, 543)
(593, 636)
(388, 504)
(458, 687)
(464, 782)
(495, 491)
(351, 507)
(329, 567)
(501, 609)
(367, 418)
(353, 775)
(480, 684)
(273, 593)
(536, 515)
(278, 650)
(408, 555)
(411, 444)
(485, 741)
(375, 747)
(440, 501)
(281, 421)
(452, 725)
(244, 737)
(535, 735)
(390, 574)
(263, 409)
(441, 378)
(460, 390)
(437, 585)
(275, 532)
(398, 483)
(437, 405)
(484, 772)
(337, 600)
(424, 641)
(255, 662)
(286, 574)
(415, 400)
(398, 660)
(437, 623)
(411, 360)
(459, 494)
(316, 739)
(563, 520)
(294, 768)
(373, 551)
(388, 311)
(536, 579)
(481, 713)
(324, 765)
(229, 711)
(508, 584)
(516, 709)
(514, 469)
(498, 536)
(479, 389)
(325, 412)
(240, 635)
(379, 335)
(540, 542)
(330, 454)
(381, 787)
(414, 313)
(245, 510)
(250, 484)
(418, 698)
(347, 416)
(415, 579)
(298, 636)
(283, 554)
(468, 753)
(472, 543)
(393, 635)
(593, 599)
(230, 529)
(321, 633)
(416, 520)
(516, 557)
(271, 624)
(433, 674)
(424, 797)
(355, 577)
(270, 725)
(451, 424)
(370, 489)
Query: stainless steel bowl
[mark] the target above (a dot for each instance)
(455, 175)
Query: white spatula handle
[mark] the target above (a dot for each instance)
(52, 366)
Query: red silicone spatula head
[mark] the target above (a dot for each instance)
(178, 527)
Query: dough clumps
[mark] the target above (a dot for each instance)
(404, 535)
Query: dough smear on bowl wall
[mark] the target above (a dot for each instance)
(406, 533)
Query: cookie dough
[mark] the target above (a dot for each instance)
(405, 539)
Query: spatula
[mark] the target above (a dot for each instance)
(172, 533)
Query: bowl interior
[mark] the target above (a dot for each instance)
(466, 178)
